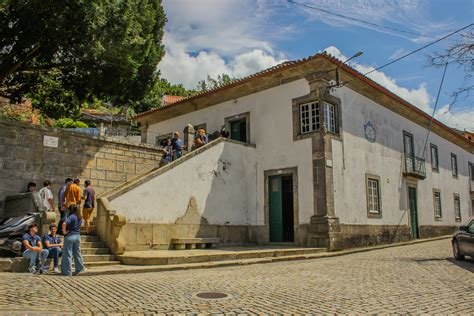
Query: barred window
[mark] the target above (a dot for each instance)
(457, 207)
(373, 196)
(309, 117)
(437, 204)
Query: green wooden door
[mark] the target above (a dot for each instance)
(413, 213)
(275, 208)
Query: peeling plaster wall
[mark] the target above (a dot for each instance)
(271, 129)
(383, 158)
(222, 179)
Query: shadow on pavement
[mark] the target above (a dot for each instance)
(467, 263)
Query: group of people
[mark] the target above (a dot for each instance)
(173, 147)
(70, 200)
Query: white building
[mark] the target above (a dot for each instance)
(316, 164)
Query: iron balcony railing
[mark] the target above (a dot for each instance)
(414, 167)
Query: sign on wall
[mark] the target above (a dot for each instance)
(50, 141)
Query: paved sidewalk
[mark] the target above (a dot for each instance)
(416, 278)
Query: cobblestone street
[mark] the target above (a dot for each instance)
(419, 278)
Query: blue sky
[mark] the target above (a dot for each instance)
(241, 37)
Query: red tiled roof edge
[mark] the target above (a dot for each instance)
(289, 64)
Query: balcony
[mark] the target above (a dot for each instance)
(414, 167)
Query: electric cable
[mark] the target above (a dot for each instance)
(359, 20)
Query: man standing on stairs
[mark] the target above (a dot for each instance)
(72, 243)
(72, 196)
(88, 195)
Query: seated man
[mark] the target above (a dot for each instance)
(32, 249)
(54, 244)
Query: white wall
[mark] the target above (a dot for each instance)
(383, 158)
(221, 178)
(271, 129)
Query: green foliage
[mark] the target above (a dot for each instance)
(210, 83)
(154, 97)
(69, 123)
(61, 53)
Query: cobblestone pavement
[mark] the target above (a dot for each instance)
(419, 278)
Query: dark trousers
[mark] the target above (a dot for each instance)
(55, 253)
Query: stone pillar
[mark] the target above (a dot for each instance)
(324, 225)
(101, 129)
(188, 137)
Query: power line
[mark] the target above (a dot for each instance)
(434, 113)
(360, 21)
(411, 53)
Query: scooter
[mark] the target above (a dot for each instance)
(12, 230)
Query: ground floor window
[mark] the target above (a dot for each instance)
(373, 195)
(457, 207)
(437, 204)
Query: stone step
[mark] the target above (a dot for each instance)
(93, 244)
(98, 258)
(95, 251)
(101, 263)
(173, 257)
(89, 238)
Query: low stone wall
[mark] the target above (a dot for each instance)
(33, 153)
(351, 236)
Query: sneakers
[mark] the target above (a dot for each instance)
(32, 270)
(56, 270)
(44, 269)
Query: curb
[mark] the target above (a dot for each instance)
(218, 264)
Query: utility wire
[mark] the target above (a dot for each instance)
(360, 21)
(411, 53)
(432, 115)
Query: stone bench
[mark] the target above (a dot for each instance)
(193, 243)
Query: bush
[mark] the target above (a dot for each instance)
(70, 123)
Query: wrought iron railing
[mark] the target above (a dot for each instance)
(414, 166)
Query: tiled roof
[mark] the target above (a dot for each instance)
(170, 99)
(290, 64)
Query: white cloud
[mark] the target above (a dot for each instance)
(211, 37)
(419, 97)
(178, 66)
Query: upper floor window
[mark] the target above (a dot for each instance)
(457, 207)
(454, 165)
(434, 157)
(471, 171)
(330, 117)
(309, 117)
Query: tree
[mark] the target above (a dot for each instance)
(154, 97)
(462, 54)
(210, 83)
(105, 49)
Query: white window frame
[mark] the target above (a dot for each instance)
(454, 165)
(330, 117)
(434, 158)
(457, 207)
(438, 212)
(373, 196)
(309, 117)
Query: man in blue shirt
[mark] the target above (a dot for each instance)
(72, 244)
(53, 243)
(177, 145)
(32, 249)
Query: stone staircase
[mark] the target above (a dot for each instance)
(95, 252)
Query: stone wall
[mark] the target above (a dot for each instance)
(107, 163)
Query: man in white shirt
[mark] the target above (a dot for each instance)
(47, 196)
